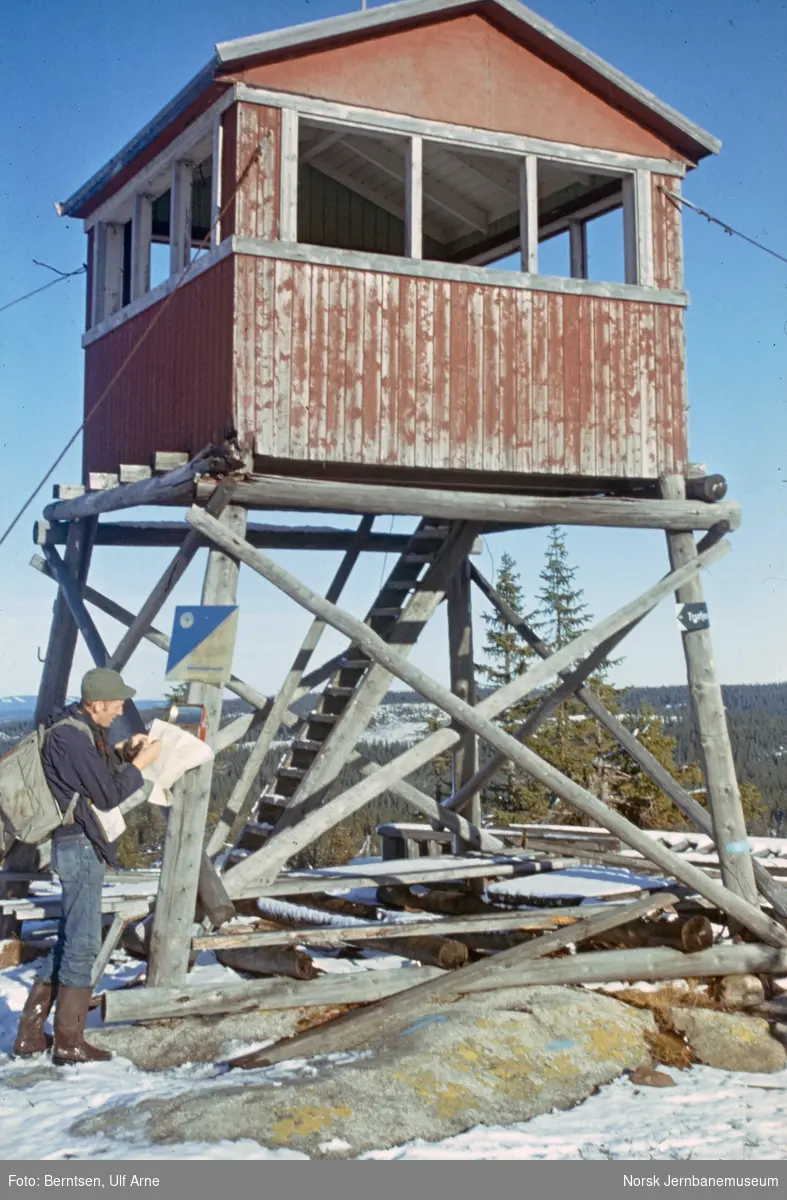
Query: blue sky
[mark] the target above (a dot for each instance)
(78, 83)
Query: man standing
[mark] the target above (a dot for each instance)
(79, 762)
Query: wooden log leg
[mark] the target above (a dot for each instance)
(53, 688)
(183, 860)
(464, 757)
(729, 825)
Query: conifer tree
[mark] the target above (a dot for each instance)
(507, 655)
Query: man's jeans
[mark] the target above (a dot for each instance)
(81, 874)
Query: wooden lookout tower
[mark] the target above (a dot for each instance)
(424, 259)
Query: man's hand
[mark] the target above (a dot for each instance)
(148, 754)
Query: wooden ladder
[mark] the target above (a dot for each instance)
(326, 737)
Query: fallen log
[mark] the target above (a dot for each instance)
(689, 936)
(443, 903)
(163, 1003)
(273, 960)
(443, 952)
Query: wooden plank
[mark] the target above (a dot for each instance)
(169, 460)
(477, 720)
(162, 1003)
(330, 935)
(357, 1029)
(474, 276)
(216, 202)
(180, 217)
(288, 693)
(100, 481)
(268, 491)
(163, 489)
(394, 872)
(414, 178)
(183, 858)
(288, 196)
(128, 473)
(528, 214)
(108, 946)
(578, 249)
(68, 491)
(141, 230)
(644, 229)
(729, 825)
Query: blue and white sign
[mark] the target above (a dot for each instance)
(202, 644)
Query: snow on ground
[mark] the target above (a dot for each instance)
(709, 1114)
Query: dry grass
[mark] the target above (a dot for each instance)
(667, 1045)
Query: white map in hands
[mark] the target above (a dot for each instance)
(180, 752)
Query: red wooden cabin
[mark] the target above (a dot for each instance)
(455, 257)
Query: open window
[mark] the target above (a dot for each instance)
(153, 235)
(352, 191)
(382, 192)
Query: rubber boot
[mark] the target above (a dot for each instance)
(30, 1037)
(70, 1015)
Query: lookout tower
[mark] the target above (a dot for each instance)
(438, 244)
(422, 260)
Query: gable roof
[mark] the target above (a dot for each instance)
(513, 17)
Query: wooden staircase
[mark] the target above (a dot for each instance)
(326, 737)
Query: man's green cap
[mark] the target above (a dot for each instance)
(104, 684)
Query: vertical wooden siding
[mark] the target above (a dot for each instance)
(667, 234)
(254, 211)
(347, 366)
(176, 391)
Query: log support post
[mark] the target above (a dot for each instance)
(464, 757)
(184, 857)
(729, 826)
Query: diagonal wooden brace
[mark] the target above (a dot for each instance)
(770, 888)
(479, 720)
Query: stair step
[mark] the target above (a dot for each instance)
(291, 773)
(355, 664)
(334, 689)
(307, 744)
(322, 718)
(417, 558)
(385, 612)
(400, 585)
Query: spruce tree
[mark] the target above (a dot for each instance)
(507, 655)
(562, 613)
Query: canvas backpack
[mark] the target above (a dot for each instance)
(29, 812)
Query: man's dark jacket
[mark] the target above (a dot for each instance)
(75, 762)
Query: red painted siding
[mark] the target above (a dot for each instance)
(254, 210)
(175, 391)
(346, 366)
(667, 234)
